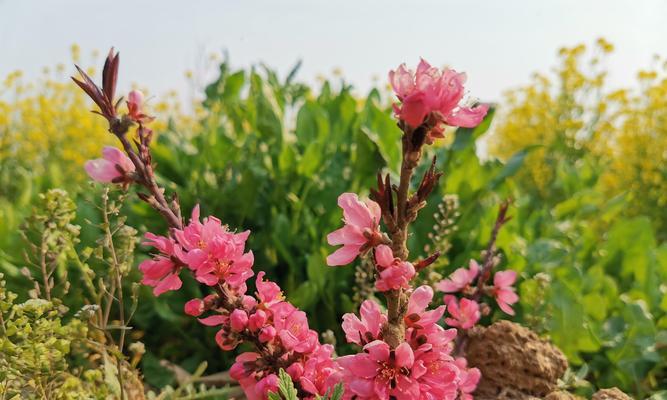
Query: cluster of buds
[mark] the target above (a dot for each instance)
(279, 331)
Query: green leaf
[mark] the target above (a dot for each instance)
(311, 159)
(335, 393)
(317, 269)
(286, 389)
(311, 123)
(381, 129)
(511, 167)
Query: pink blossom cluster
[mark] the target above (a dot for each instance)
(433, 96)
(420, 368)
(465, 313)
(207, 248)
(361, 233)
(279, 331)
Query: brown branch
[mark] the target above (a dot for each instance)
(489, 253)
(394, 331)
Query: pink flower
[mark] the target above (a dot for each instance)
(503, 290)
(361, 231)
(381, 373)
(215, 254)
(394, 273)
(292, 327)
(459, 279)
(267, 334)
(416, 315)
(318, 371)
(366, 329)
(267, 384)
(434, 93)
(161, 272)
(465, 313)
(268, 292)
(468, 378)
(243, 371)
(113, 167)
(135, 100)
(436, 373)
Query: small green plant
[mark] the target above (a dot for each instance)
(50, 352)
(35, 361)
(287, 391)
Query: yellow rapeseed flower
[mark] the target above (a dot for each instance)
(576, 115)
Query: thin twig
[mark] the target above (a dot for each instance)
(490, 251)
(118, 284)
(42, 264)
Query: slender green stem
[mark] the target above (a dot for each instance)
(117, 284)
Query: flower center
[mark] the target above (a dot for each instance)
(390, 373)
(222, 267)
(295, 329)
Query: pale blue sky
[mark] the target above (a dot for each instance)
(499, 43)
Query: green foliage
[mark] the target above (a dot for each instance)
(50, 237)
(48, 352)
(272, 155)
(35, 345)
(189, 390)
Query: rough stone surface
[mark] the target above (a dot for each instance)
(515, 363)
(561, 395)
(611, 394)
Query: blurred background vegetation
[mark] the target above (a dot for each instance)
(584, 163)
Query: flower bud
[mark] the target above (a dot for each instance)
(194, 307)
(257, 320)
(135, 98)
(249, 302)
(238, 320)
(224, 341)
(267, 334)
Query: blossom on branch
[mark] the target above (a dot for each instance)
(161, 271)
(431, 96)
(392, 272)
(464, 313)
(135, 100)
(420, 368)
(503, 290)
(113, 167)
(367, 329)
(214, 253)
(361, 231)
(459, 279)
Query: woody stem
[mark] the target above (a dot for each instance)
(394, 330)
(147, 178)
